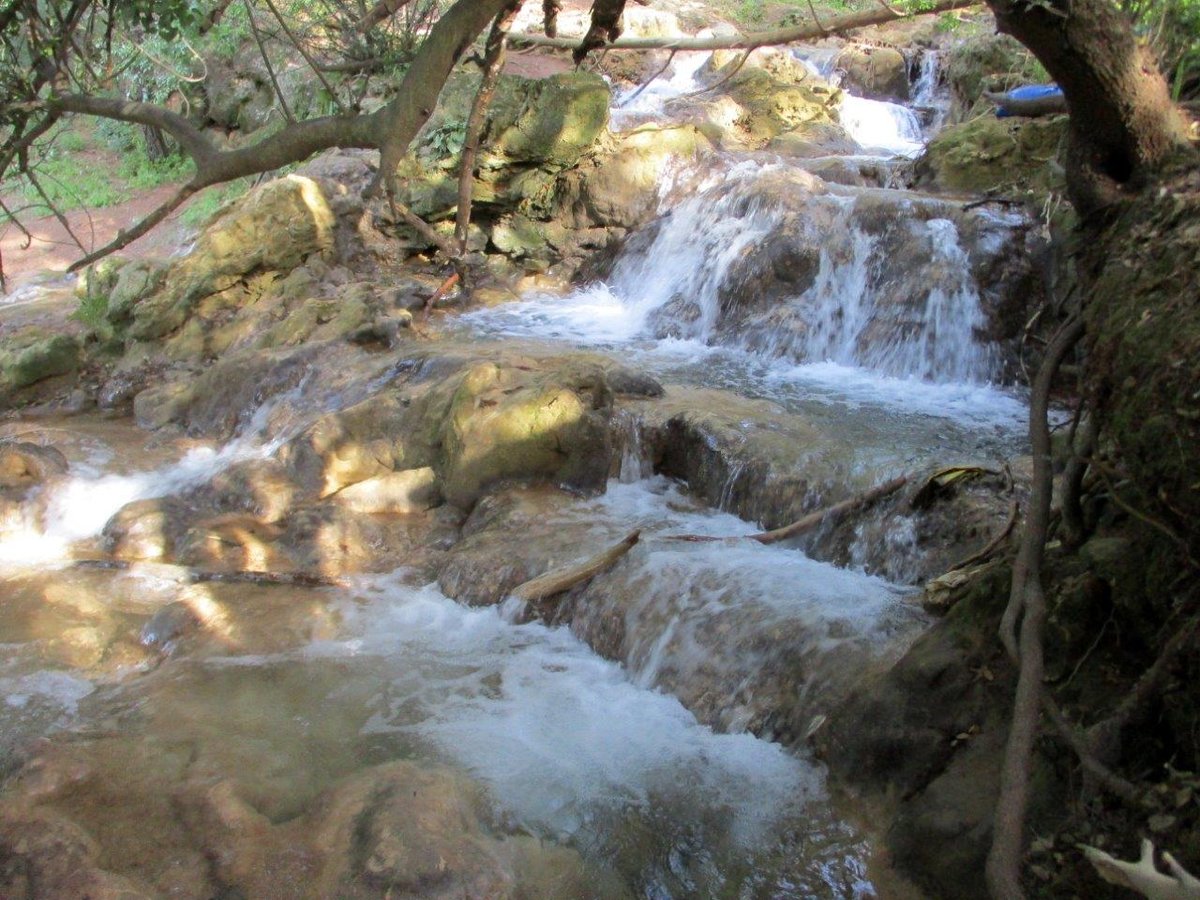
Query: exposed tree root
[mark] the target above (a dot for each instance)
(563, 579)
(1027, 603)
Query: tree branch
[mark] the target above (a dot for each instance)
(125, 238)
(493, 63)
(752, 40)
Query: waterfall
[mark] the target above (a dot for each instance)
(866, 306)
(881, 126)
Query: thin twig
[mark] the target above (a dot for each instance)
(262, 51)
(563, 579)
(307, 57)
(649, 81)
(805, 523)
(125, 238)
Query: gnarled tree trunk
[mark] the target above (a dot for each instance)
(1124, 127)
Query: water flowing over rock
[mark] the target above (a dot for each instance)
(279, 625)
(775, 262)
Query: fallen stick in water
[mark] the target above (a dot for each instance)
(563, 579)
(809, 522)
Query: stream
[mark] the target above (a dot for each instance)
(645, 769)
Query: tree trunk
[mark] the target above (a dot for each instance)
(1124, 127)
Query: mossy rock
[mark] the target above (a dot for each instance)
(275, 227)
(504, 423)
(878, 73)
(618, 186)
(98, 279)
(1013, 157)
(134, 281)
(546, 122)
(31, 355)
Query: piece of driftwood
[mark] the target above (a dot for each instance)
(563, 579)
(810, 521)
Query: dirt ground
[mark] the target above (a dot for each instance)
(48, 248)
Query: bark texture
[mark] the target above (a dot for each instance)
(1124, 127)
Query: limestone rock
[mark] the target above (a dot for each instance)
(46, 855)
(397, 828)
(275, 227)
(877, 73)
(504, 424)
(407, 491)
(772, 94)
(619, 186)
(1007, 157)
(23, 464)
(31, 355)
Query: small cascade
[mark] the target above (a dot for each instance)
(867, 306)
(929, 97)
(728, 627)
(78, 507)
(647, 101)
(880, 126)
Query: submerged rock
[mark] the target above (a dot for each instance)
(397, 828)
(23, 464)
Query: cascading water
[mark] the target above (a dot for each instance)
(858, 308)
(876, 299)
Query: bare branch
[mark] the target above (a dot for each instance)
(493, 63)
(262, 51)
(307, 57)
(380, 11)
(125, 238)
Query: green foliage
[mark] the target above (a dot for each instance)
(1172, 29)
(206, 204)
(165, 18)
(142, 173)
(447, 140)
(70, 185)
(92, 310)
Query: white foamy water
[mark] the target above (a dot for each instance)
(649, 101)
(891, 316)
(881, 126)
(78, 507)
(558, 735)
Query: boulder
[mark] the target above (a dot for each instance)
(406, 491)
(535, 129)
(23, 464)
(877, 73)
(771, 94)
(31, 355)
(505, 423)
(1006, 157)
(275, 227)
(619, 185)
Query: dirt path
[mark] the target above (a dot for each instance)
(51, 249)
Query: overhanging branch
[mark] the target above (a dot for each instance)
(752, 40)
